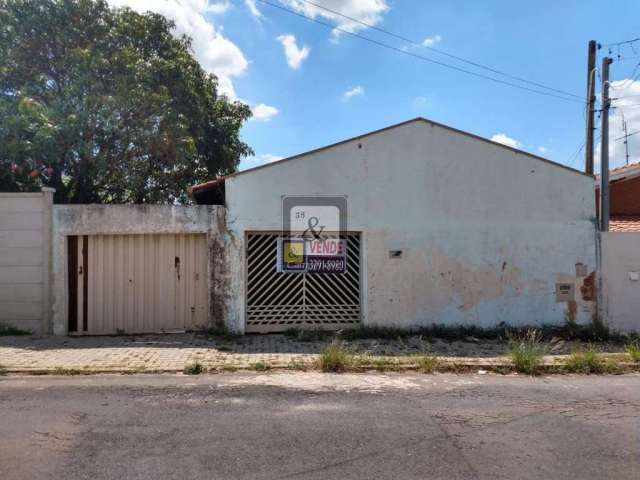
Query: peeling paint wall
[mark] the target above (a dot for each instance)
(138, 219)
(486, 232)
(621, 281)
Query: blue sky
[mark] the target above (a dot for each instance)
(300, 98)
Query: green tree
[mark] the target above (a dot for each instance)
(107, 106)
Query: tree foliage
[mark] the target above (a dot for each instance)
(107, 106)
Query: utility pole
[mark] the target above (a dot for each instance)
(604, 148)
(591, 102)
(626, 141)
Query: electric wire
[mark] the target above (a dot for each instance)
(417, 56)
(441, 52)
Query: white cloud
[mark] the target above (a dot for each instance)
(367, 11)
(352, 92)
(543, 150)
(629, 108)
(295, 55)
(431, 41)
(253, 8)
(506, 140)
(264, 112)
(216, 53)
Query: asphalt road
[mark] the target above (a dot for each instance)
(315, 426)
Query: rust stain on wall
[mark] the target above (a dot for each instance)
(588, 288)
(572, 310)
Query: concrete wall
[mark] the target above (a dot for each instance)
(138, 219)
(25, 242)
(621, 281)
(486, 231)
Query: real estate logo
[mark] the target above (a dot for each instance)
(313, 234)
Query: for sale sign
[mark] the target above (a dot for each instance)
(316, 255)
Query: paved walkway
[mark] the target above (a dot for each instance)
(172, 352)
(149, 352)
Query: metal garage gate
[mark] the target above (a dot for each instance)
(137, 283)
(278, 301)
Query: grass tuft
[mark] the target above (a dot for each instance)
(588, 362)
(194, 368)
(633, 349)
(335, 358)
(428, 363)
(527, 351)
(260, 366)
(7, 330)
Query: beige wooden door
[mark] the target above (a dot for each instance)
(140, 283)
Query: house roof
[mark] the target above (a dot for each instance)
(622, 173)
(214, 183)
(624, 224)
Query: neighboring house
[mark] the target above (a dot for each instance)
(624, 197)
(443, 227)
(620, 250)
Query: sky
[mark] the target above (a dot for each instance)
(310, 85)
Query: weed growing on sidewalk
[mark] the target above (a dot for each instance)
(588, 362)
(260, 366)
(633, 349)
(428, 363)
(335, 358)
(194, 368)
(68, 371)
(527, 351)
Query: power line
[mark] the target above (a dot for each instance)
(415, 55)
(441, 52)
(626, 136)
(621, 43)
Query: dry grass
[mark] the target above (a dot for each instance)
(633, 350)
(336, 357)
(527, 351)
(195, 368)
(589, 362)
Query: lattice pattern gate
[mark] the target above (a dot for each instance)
(279, 301)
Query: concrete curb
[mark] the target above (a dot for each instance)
(464, 365)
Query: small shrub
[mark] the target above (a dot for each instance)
(260, 366)
(7, 330)
(588, 362)
(633, 349)
(527, 351)
(428, 363)
(194, 368)
(335, 358)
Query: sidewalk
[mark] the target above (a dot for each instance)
(173, 352)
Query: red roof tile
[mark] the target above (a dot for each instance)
(624, 224)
